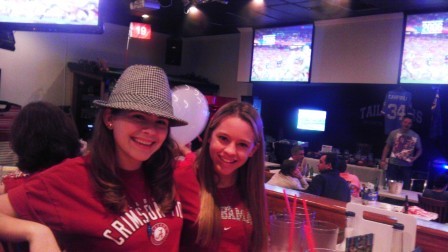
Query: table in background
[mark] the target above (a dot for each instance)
(364, 173)
(271, 165)
(412, 196)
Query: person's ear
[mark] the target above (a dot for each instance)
(254, 150)
(108, 118)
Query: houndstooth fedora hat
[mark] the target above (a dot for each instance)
(146, 89)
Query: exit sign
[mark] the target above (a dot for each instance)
(140, 30)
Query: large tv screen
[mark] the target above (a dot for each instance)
(51, 16)
(282, 54)
(311, 119)
(425, 49)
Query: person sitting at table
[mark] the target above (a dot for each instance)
(298, 154)
(438, 192)
(289, 176)
(42, 135)
(353, 180)
(328, 183)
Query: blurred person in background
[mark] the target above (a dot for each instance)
(353, 180)
(42, 135)
(289, 176)
(328, 183)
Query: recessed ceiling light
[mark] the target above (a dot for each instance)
(145, 16)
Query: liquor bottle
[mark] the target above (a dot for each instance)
(406, 205)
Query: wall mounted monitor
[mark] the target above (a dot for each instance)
(82, 16)
(282, 54)
(425, 49)
(311, 119)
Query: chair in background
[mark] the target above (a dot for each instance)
(419, 181)
(437, 206)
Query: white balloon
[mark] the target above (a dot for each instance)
(190, 105)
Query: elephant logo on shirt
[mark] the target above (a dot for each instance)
(160, 233)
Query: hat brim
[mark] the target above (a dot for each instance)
(174, 121)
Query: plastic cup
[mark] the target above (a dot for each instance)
(324, 233)
(301, 216)
(280, 228)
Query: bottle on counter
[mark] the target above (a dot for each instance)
(349, 230)
(376, 185)
(406, 205)
(397, 238)
(386, 183)
(307, 170)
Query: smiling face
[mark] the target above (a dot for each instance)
(137, 136)
(231, 145)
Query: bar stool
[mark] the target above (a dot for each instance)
(419, 181)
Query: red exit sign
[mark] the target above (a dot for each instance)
(140, 30)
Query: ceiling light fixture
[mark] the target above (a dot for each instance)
(193, 3)
(187, 5)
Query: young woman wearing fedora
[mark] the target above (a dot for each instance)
(222, 190)
(121, 196)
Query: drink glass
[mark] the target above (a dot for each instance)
(301, 216)
(280, 228)
(324, 234)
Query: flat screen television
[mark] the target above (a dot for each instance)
(424, 57)
(81, 16)
(311, 119)
(282, 54)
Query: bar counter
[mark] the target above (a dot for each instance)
(431, 236)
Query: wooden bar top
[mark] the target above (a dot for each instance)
(431, 236)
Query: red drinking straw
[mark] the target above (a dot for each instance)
(309, 236)
(293, 221)
(288, 207)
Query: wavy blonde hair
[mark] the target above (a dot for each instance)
(250, 181)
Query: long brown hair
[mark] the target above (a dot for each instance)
(250, 181)
(158, 170)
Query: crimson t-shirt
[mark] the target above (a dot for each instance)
(236, 221)
(63, 198)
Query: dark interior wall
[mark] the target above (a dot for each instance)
(353, 114)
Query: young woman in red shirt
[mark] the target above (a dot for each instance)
(222, 191)
(121, 196)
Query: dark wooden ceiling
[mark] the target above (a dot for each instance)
(218, 18)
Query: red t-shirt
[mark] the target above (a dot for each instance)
(63, 198)
(236, 221)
